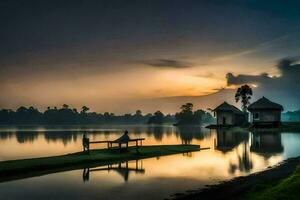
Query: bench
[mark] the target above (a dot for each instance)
(111, 142)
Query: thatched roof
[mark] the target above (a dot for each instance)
(228, 107)
(265, 104)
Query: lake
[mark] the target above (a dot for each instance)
(231, 154)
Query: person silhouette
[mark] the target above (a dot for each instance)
(124, 139)
(86, 174)
(85, 143)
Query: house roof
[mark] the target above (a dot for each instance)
(264, 103)
(228, 107)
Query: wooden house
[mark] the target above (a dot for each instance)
(229, 115)
(265, 113)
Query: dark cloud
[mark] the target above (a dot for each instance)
(284, 89)
(289, 69)
(168, 63)
(243, 78)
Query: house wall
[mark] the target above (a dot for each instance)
(266, 116)
(241, 119)
(229, 116)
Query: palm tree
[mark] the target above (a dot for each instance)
(84, 109)
(244, 94)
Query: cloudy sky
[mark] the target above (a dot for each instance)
(112, 55)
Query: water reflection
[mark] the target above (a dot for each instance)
(235, 144)
(64, 137)
(266, 143)
(157, 131)
(187, 134)
(231, 154)
(226, 140)
(244, 160)
(6, 135)
(122, 168)
(23, 137)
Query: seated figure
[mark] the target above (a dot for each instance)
(124, 138)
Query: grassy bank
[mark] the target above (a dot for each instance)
(287, 188)
(16, 169)
(278, 182)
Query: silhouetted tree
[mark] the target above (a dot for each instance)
(84, 109)
(187, 108)
(188, 117)
(138, 117)
(65, 106)
(198, 116)
(244, 94)
(157, 118)
(67, 115)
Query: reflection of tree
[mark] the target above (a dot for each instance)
(244, 162)
(226, 140)
(24, 136)
(266, 143)
(188, 133)
(64, 136)
(6, 135)
(122, 168)
(137, 130)
(157, 131)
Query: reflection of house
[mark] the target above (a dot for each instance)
(266, 142)
(265, 113)
(229, 115)
(227, 140)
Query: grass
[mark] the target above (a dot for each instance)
(288, 188)
(15, 169)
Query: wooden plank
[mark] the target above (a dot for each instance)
(94, 142)
(110, 143)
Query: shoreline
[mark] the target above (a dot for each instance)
(285, 127)
(237, 187)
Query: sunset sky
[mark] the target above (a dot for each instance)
(114, 55)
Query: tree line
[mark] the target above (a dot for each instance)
(291, 116)
(66, 115)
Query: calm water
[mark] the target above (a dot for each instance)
(231, 154)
